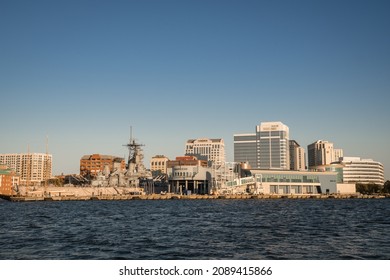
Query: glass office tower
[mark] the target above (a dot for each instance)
(273, 146)
(267, 148)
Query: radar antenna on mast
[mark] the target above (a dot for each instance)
(135, 151)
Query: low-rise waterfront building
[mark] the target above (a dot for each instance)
(286, 182)
(92, 165)
(188, 175)
(358, 170)
(9, 181)
(295, 182)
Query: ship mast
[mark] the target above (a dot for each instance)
(134, 152)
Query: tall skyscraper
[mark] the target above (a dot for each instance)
(267, 148)
(273, 145)
(245, 148)
(208, 149)
(322, 153)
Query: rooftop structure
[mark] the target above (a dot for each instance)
(186, 160)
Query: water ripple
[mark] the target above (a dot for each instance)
(186, 229)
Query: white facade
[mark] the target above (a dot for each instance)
(322, 153)
(185, 179)
(295, 182)
(212, 149)
(337, 154)
(159, 162)
(357, 170)
(297, 156)
(32, 167)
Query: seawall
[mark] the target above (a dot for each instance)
(169, 196)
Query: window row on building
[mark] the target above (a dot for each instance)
(31, 167)
(92, 165)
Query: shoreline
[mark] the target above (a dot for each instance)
(171, 196)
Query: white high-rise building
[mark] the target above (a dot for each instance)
(337, 154)
(322, 153)
(297, 156)
(208, 149)
(32, 167)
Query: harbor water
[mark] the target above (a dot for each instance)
(196, 229)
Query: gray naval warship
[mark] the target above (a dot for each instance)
(136, 178)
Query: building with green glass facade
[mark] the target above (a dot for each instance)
(295, 182)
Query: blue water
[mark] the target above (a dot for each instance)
(196, 229)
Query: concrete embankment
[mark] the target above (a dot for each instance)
(169, 196)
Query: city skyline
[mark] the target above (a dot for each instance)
(83, 72)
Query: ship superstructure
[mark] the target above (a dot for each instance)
(136, 171)
(136, 177)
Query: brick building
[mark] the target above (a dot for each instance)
(95, 163)
(8, 179)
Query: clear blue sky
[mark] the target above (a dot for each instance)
(81, 72)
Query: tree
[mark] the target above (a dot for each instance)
(368, 188)
(386, 187)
